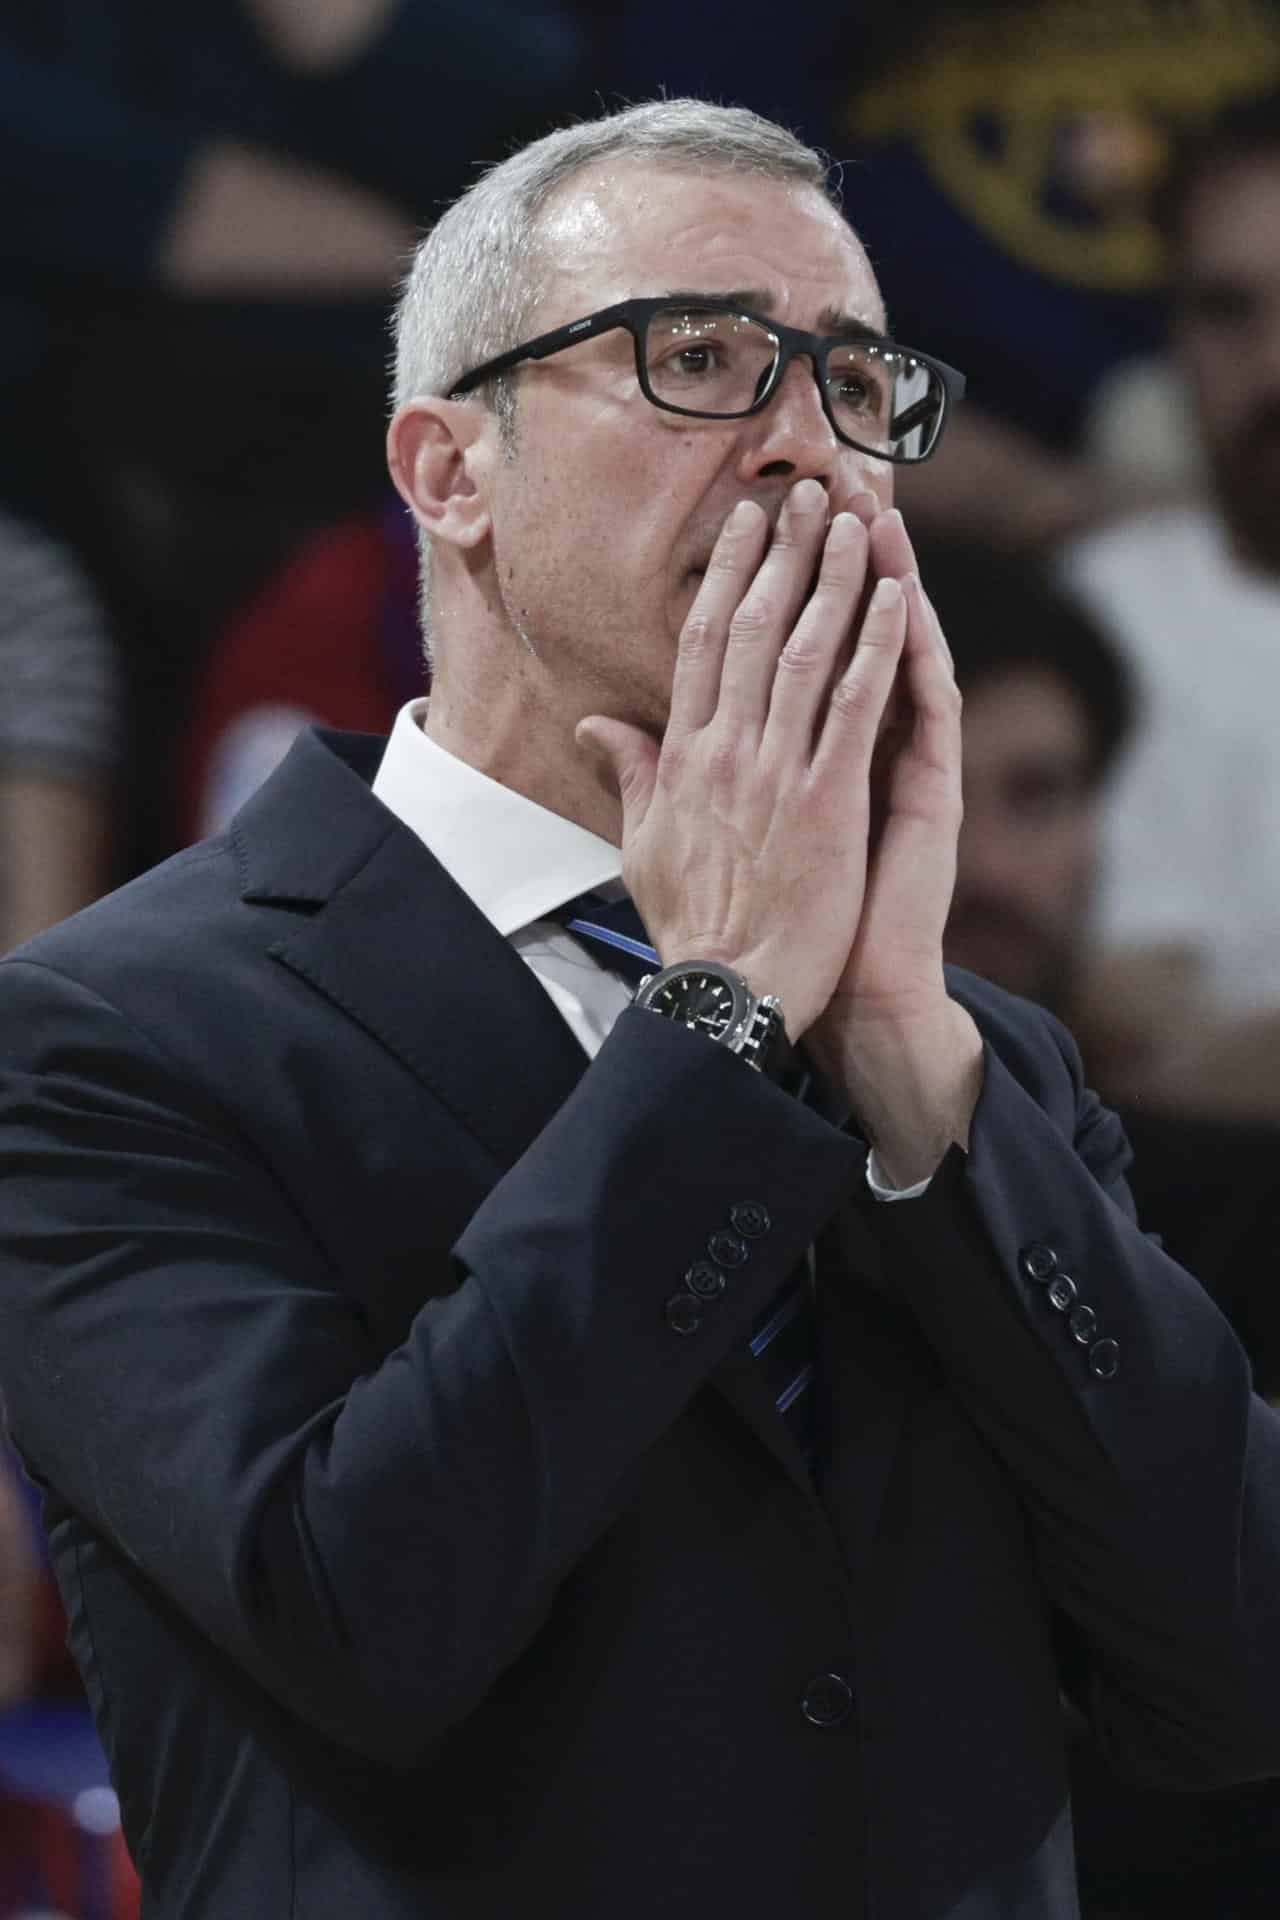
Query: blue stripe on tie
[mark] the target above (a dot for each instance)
(791, 1313)
(803, 1379)
(638, 949)
(773, 1327)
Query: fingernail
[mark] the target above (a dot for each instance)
(740, 518)
(887, 594)
(805, 497)
(844, 531)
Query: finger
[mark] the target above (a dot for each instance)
(763, 623)
(924, 749)
(864, 502)
(892, 554)
(935, 625)
(916, 791)
(928, 656)
(808, 661)
(862, 693)
(734, 561)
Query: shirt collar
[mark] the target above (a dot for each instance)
(516, 860)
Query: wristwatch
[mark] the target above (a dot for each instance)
(714, 1000)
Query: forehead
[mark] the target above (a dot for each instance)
(631, 228)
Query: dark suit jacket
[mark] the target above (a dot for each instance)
(419, 1565)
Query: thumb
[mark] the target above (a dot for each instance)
(631, 756)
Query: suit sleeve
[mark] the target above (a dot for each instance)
(1121, 1402)
(372, 1537)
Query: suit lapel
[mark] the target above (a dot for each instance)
(378, 927)
(398, 947)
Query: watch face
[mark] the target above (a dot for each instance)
(705, 1001)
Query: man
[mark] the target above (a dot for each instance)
(18, 1580)
(1047, 709)
(61, 731)
(1190, 898)
(394, 1311)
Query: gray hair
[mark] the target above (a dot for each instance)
(476, 279)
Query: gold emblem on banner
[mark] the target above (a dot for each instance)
(1048, 124)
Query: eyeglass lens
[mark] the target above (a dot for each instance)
(717, 363)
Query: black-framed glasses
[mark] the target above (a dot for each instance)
(713, 360)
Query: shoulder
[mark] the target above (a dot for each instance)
(167, 923)
(1153, 581)
(184, 932)
(1146, 575)
(1163, 535)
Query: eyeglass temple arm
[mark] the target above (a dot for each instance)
(922, 410)
(915, 416)
(538, 348)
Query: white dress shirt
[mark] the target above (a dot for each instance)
(517, 862)
(1192, 820)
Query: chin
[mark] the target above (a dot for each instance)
(639, 702)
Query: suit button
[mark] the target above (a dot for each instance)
(827, 1700)
(1104, 1359)
(1083, 1324)
(705, 1280)
(726, 1249)
(684, 1314)
(1039, 1262)
(1062, 1292)
(750, 1219)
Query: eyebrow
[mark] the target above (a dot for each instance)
(760, 300)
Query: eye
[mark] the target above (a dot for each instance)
(697, 357)
(857, 385)
(853, 390)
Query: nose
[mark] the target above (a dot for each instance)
(792, 439)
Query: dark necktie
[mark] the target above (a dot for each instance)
(785, 1337)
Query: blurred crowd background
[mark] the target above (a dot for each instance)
(1077, 202)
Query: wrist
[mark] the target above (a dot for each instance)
(760, 968)
(911, 1077)
(712, 998)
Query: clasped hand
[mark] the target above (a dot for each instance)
(798, 820)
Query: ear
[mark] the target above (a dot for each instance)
(435, 450)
